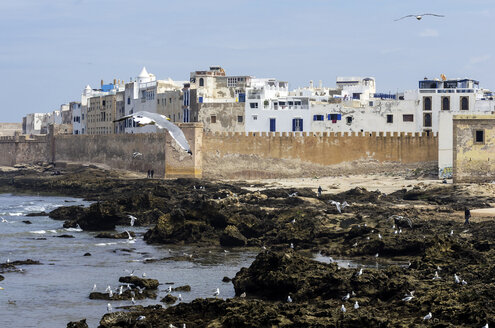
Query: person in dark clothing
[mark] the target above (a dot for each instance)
(319, 191)
(152, 173)
(149, 174)
(467, 215)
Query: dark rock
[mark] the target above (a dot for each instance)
(1, 278)
(111, 235)
(232, 237)
(37, 214)
(140, 282)
(169, 299)
(65, 236)
(26, 222)
(185, 288)
(78, 324)
(87, 254)
(67, 213)
(126, 295)
(226, 279)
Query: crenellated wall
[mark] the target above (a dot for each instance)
(255, 154)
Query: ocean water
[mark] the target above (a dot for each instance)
(56, 292)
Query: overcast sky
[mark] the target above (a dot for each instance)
(50, 49)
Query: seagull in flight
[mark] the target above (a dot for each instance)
(133, 219)
(136, 154)
(418, 17)
(162, 122)
(339, 206)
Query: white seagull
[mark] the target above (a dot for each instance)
(436, 276)
(216, 293)
(342, 308)
(418, 17)
(94, 287)
(428, 316)
(133, 219)
(289, 299)
(136, 154)
(346, 298)
(356, 305)
(457, 279)
(180, 297)
(4, 220)
(162, 122)
(109, 307)
(133, 301)
(339, 206)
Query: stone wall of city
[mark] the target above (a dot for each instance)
(22, 149)
(272, 155)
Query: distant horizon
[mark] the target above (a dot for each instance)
(54, 49)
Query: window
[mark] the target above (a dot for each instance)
(253, 105)
(201, 82)
(408, 118)
(318, 117)
(273, 124)
(371, 104)
(297, 124)
(255, 117)
(239, 119)
(213, 119)
(426, 103)
(390, 118)
(348, 119)
(103, 103)
(464, 103)
(479, 136)
(128, 100)
(334, 117)
(427, 120)
(445, 103)
(186, 115)
(158, 101)
(232, 82)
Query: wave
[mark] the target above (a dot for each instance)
(38, 231)
(76, 229)
(105, 244)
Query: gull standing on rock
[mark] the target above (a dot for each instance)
(356, 305)
(216, 293)
(342, 308)
(289, 299)
(428, 316)
(94, 287)
(109, 307)
(457, 279)
(436, 276)
(346, 297)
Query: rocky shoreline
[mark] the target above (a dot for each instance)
(408, 248)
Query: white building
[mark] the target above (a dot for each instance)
(77, 127)
(269, 107)
(36, 123)
(147, 93)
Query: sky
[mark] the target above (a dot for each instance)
(51, 49)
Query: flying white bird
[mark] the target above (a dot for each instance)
(136, 154)
(216, 293)
(4, 220)
(428, 316)
(339, 206)
(356, 305)
(342, 308)
(418, 17)
(131, 273)
(408, 298)
(140, 289)
(162, 122)
(133, 219)
(109, 307)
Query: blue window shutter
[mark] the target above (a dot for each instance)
(302, 125)
(293, 124)
(339, 117)
(314, 117)
(328, 117)
(200, 100)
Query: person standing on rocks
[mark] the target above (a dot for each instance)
(319, 191)
(149, 174)
(152, 173)
(467, 215)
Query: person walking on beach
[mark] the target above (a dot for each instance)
(467, 215)
(319, 191)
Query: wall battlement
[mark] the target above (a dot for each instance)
(322, 134)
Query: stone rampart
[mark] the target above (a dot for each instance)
(235, 155)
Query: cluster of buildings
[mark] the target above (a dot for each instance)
(243, 103)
